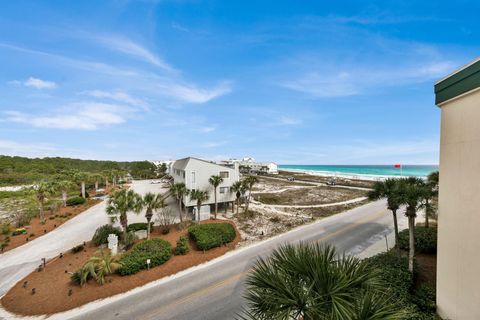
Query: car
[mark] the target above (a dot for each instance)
(331, 183)
(291, 179)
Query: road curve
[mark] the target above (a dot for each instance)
(214, 290)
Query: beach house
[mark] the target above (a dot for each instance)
(458, 256)
(195, 173)
(250, 166)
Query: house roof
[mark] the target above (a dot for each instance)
(181, 164)
(458, 83)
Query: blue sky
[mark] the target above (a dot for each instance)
(297, 82)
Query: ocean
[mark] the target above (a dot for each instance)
(364, 171)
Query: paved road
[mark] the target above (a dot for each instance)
(214, 290)
(19, 262)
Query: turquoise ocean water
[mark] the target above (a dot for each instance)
(365, 170)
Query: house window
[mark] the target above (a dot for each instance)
(183, 174)
(223, 190)
(224, 174)
(193, 177)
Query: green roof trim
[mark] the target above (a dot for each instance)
(460, 82)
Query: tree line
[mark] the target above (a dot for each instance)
(22, 170)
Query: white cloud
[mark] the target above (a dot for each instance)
(129, 47)
(207, 129)
(193, 94)
(80, 116)
(287, 120)
(34, 83)
(117, 95)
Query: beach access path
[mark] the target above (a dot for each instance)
(214, 290)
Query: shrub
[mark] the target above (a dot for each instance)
(5, 228)
(101, 234)
(182, 247)
(78, 248)
(208, 236)
(129, 240)
(157, 250)
(425, 240)
(75, 201)
(138, 226)
(424, 298)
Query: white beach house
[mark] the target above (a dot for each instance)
(195, 173)
(250, 166)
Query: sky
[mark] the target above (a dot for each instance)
(294, 82)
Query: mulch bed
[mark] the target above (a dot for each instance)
(426, 271)
(54, 291)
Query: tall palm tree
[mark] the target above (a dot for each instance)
(200, 196)
(82, 178)
(96, 177)
(64, 186)
(412, 192)
(181, 192)
(42, 191)
(311, 281)
(106, 176)
(239, 189)
(431, 191)
(151, 203)
(120, 203)
(390, 190)
(215, 181)
(249, 182)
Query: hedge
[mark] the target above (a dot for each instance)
(182, 247)
(208, 236)
(75, 201)
(101, 234)
(157, 250)
(138, 226)
(399, 282)
(425, 240)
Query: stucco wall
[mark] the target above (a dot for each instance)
(458, 259)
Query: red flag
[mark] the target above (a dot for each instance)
(397, 166)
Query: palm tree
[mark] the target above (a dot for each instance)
(81, 178)
(412, 191)
(390, 190)
(215, 181)
(431, 191)
(311, 281)
(120, 203)
(64, 186)
(239, 189)
(96, 177)
(200, 196)
(152, 202)
(249, 182)
(106, 176)
(42, 191)
(182, 191)
(104, 264)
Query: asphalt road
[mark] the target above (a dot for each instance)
(214, 290)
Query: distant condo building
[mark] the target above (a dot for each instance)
(250, 166)
(458, 257)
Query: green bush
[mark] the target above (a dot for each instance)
(5, 228)
(138, 226)
(101, 234)
(157, 250)
(75, 201)
(424, 298)
(182, 247)
(208, 236)
(425, 240)
(78, 248)
(129, 240)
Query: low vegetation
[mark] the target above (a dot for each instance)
(182, 247)
(157, 250)
(75, 201)
(101, 234)
(208, 236)
(425, 240)
(138, 226)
